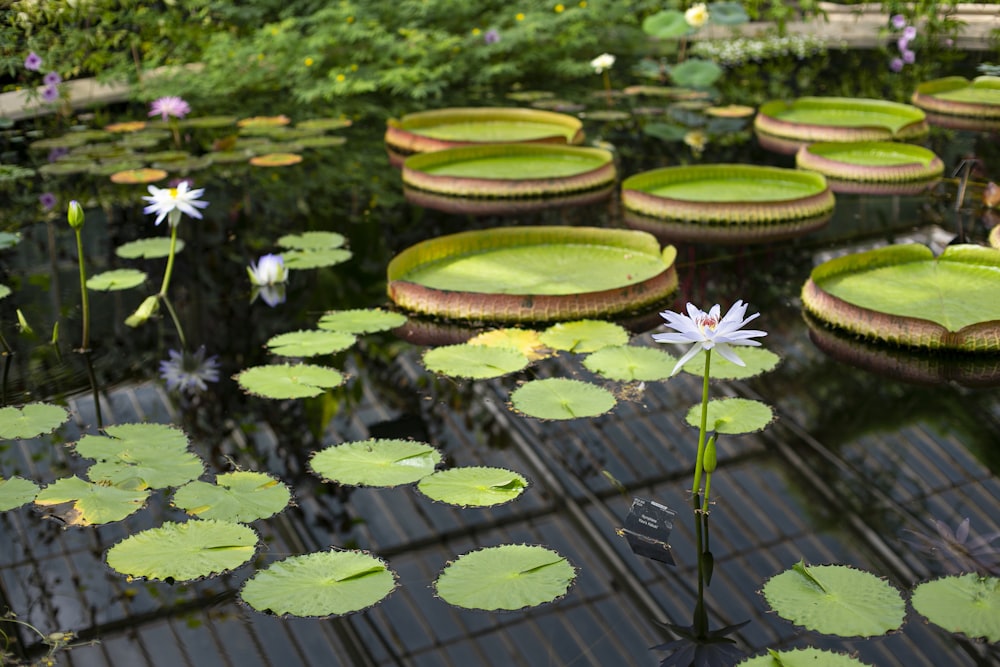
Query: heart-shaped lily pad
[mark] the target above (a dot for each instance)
(966, 603)
(315, 258)
(241, 496)
(474, 361)
(757, 360)
(89, 503)
(288, 380)
(15, 492)
(312, 240)
(31, 420)
(375, 462)
(476, 486)
(584, 335)
(361, 320)
(561, 398)
(732, 416)
(118, 279)
(151, 248)
(156, 454)
(803, 657)
(629, 363)
(527, 341)
(310, 343)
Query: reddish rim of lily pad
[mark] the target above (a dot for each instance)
(905, 168)
(672, 231)
(275, 160)
(127, 126)
(264, 121)
(506, 205)
(994, 237)
(136, 176)
(937, 96)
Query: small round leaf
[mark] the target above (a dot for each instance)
(966, 603)
(240, 496)
(732, 416)
(30, 421)
(474, 361)
(629, 363)
(288, 380)
(118, 279)
(15, 492)
(473, 486)
(375, 462)
(584, 335)
(361, 320)
(561, 398)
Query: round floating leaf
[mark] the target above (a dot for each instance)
(240, 496)
(15, 492)
(584, 335)
(527, 341)
(510, 576)
(628, 363)
(324, 124)
(474, 361)
(361, 320)
(275, 160)
(320, 584)
(310, 343)
(135, 176)
(312, 240)
(9, 239)
(263, 121)
(31, 421)
(966, 603)
(5, 291)
(151, 248)
(836, 600)
(314, 259)
(89, 503)
(733, 416)
(804, 657)
(757, 360)
(320, 142)
(561, 398)
(118, 279)
(156, 454)
(696, 73)
(666, 24)
(184, 551)
(473, 486)
(375, 462)
(289, 380)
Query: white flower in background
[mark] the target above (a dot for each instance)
(707, 331)
(173, 202)
(602, 62)
(268, 270)
(696, 15)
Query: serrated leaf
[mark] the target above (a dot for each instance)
(315, 258)
(584, 335)
(561, 398)
(15, 492)
(361, 320)
(376, 462)
(312, 240)
(510, 576)
(151, 248)
(527, 341)
(118, 279)
(732, 416)
(310, 343)
(320, 584)
(157, 454)
(91, 503)
(30, 421)
(473, 486)
(474, 361)
(965, 603)
(629, 363)
(288, 380)
(805, 657)
(240, 496)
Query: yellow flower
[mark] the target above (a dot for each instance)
(341, 78)
(583, 4)
(354, 67)
(697, 15)
(475, 32)
(559, 9)
(520, 16)
(350, 19)
(308, 62)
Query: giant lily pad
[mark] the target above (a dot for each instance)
(523, 274)
(878, 167)
(786, 126)
(957, 102)
(967, 603)
(471, 205)
(904, 295)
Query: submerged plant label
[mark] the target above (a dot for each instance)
(647, 530)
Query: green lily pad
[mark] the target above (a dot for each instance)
(732, 416)
(696, 73)
(324, 124)
(375, 462)
(320, 584)
(31, 421)
(475, 486)
(91, 503)
(584, 335)
(320, 142)
(310, 343)
(841, 119)
(803, 657)
(5, 291)
(836, 600)
(240, 496)
(509, 576)
(151, 248)
(184, 551)
(9, 239)
(757, 360)
(15, 492)
(561, 398)
(527, 341)
(312, 240)
(666, 24)
(275, 160)
(361, 320)
(315, 258)
(629, 363)
(965, 603)
(474, 361)
(118, 279)
(156, 454)
(288, 380)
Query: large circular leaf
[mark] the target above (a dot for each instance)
(376, 462)
(732, 416)
(241, 496)
(473, 486)
(320, 584)
(966, 603)
(510, 576)
(561, 398)
(289, 380)
(474, 361)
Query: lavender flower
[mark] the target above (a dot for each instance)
(188, 373)
(898, 21)
(710, 331)
(902, 44)
(169, 106)
(47, 200)
(491, 36)
(909, 57)
(52, 79)
(33, 62)
(909, 32)
(896, 64)
(50, 93)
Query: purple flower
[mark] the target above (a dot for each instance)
(50, 93)
(957, 550)
(903, 44)
(909, 57)
(169, 106)
(52, 79)
(909, 32)
(491, 36)
(188, 373)
(32, 62)
(898, 21)
(58, 153)
(47, 200)
(896, 64)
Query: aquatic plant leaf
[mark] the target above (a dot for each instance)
(561, 398)
(375, 462)
(361, 320)
(628, 363)
(5, 291)
(138, 175)
(509, 576)
(184, 551)
(474, 361)
(527, 341)
(324, 124)
(118, 279)
(310, 343)
(157, 454)
(275, 160)
(474, 486)
(241, 496)
(321, 584)
(966, 603)
(312, 240)
(665, 131)
(31, 420)
(803, 657)
(666, 24)
(696, 73)
(320, 141)
(757, 360)
(15, 492)
(315, 258)
(732, 416)
(288, 380)
(151, 248)
(584, 335)
(9, 239)
(90, 503)
(836, 600)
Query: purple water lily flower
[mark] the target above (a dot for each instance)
(50, 93)
(47, 200)
(33, 62)
(52, 79)
(491, 36)
(169, 106)
(898, 21)
(896, 64)
(909, 32)
(909, 57)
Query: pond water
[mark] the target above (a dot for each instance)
(860, 452)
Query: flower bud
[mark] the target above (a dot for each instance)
(709, 459)
(145, 311)
(75, 215)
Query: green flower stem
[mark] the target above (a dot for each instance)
(704, 424)
(85, 345)
(173, 316)
(607, 86)
(170, 262)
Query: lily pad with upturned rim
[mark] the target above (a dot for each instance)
(476, 362)
(877, 167)
(473, 486)
(561, 398)
(284, 381)
(957, 96)
(241, 496)
(375, 462)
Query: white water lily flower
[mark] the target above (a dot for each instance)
(269, 270)
(602, 62)
(707, 331)
(697, 15)
(174, 201)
